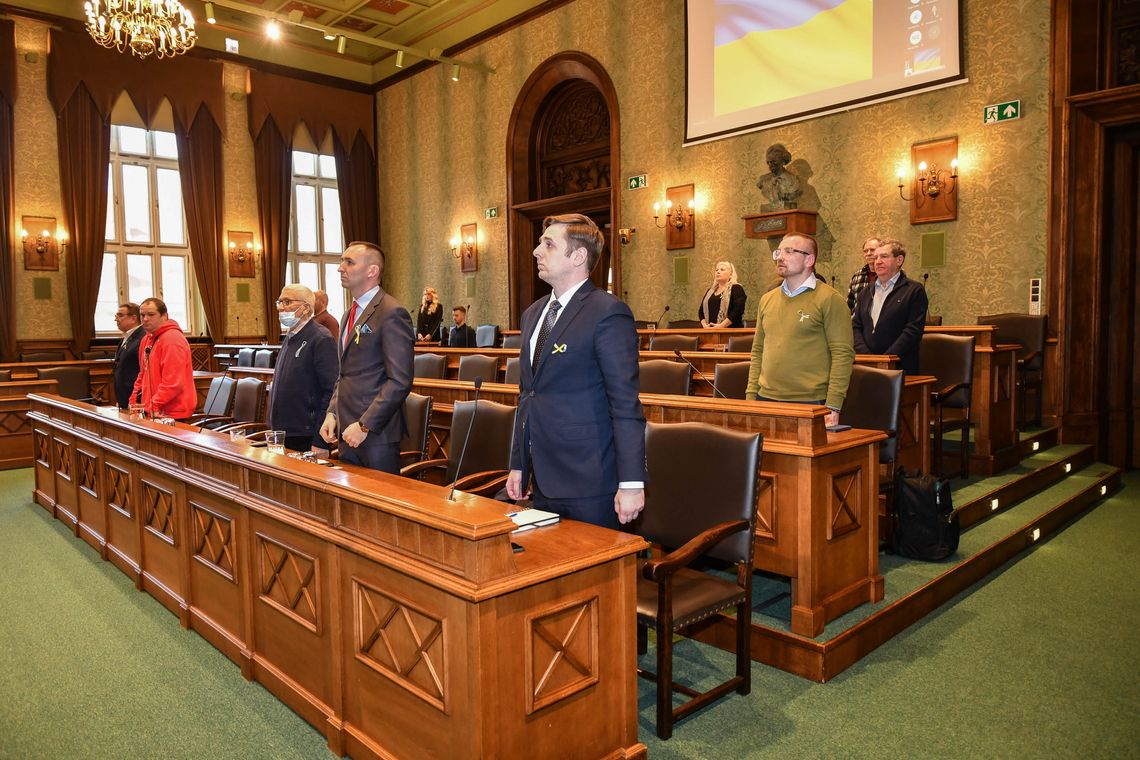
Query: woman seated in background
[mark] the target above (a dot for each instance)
(430, 317)
(723, 304)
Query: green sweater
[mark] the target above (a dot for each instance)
(804, 349)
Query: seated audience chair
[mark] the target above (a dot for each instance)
(476, 365)
(673, 343)
(731, 378)
(664, 376)
(700, 502)
(488, 458)
(750, 323)
(245, 357)
(71, 382)
(1028, 331)
(740, 344)
(264, 358)
(512, 374)
(512, 341)
(933, 319)
(684, 324)
(43, 356)
(219, 400)
(486, 336)
(874, 397)
(429, 366)
(950, 358)
(248, 409)
(413, 446)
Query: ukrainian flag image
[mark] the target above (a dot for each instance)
(773, 50)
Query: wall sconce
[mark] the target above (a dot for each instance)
(242, 254)
(466, 247)
(680, 217)
(625, 234)
(41, 243)
(933, 196)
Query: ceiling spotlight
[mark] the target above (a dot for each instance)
(399, 59)
(341, 44)
(273, 31)
(210, 18)
(455, 72)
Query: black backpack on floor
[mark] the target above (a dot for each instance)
(927, 526)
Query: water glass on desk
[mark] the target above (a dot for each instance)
(137, 411)
(275, 441)
(237, 436)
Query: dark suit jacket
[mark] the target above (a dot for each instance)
(376, 370)
(901, 322)
(579, 415)
(126, 367)
(303, 380)
(461, 337)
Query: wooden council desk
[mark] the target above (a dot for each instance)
(817, 517)
(396, 622)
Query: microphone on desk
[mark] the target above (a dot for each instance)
(658, 320)
(701, 375)
(466, 438)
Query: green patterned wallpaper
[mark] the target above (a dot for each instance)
(442, 161)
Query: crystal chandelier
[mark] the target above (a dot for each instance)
(160, 27)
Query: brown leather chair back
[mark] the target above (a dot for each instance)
(219, 397)
(249, 400)
(740, 344)
(664, 376)
(245, 357)
(264, 358)
(97, 353)
(683, 324)
(699, 476)
(417, 410)
(477, 365)
(512, 375)
(512, 341)
(1027, 330)
(43, 356)
(430, 366)
(933, 319)
(873, 400)
(486, 336)
(72, 382)
(673, 343)
(950, 358)
(489, 447)
(731, 378)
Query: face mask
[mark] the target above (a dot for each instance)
(288, 319)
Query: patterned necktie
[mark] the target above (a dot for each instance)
(544, 331)
(350, 324)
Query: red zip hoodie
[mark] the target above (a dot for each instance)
(166, 378)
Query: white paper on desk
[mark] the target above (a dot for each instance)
(527, 519)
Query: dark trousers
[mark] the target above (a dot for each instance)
(300, 443)
(596, 510)
(375, 455)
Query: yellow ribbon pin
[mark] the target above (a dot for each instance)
(357, 339)
(559, 348)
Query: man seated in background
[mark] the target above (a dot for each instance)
(866, 274)
(462, 336)
(322, 316)
(890, 316)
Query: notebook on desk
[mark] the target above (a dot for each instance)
(528, 519)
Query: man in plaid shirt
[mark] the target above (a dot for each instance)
(866, 274)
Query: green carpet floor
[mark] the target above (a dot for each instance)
(1041, 660)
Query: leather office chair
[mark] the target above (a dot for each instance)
(413, 446)
(664, 376)
(248, 409)
(683, 324)
(874, 397)
(245, 357)
(43, 356)
(429, 366)
(486, 336)
(476, 366)
(750, 323)
(488, 458)
(643, 324)
(673, 343)
(264, 358)
(740, 344)
(731, 378)
(512, 374)
(219, 400)
(1028, 331)
(934, 319)
(950, 358)
(71, 382)
(512, 341)
(700, 501)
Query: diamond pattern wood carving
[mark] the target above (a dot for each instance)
(43, 450)
(118, 488)
(63, 459)
(401, 642)
(288, 580)
(89, 474)
(15, 422)
(158, 507)
(212, 540)
(845, 491)
(766, 507)
(562, 652)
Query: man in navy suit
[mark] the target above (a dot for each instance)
(126, 364)
(579, 442)
(377, 348)
(890, 314)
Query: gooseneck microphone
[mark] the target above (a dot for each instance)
(701, 375)
(466, 438)
(657, 321)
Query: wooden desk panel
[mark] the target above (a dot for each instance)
(101, 370)
(359, 598)
(16, 440)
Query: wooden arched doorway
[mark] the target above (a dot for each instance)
(562, 156)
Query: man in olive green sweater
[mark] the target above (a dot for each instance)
(804, 349)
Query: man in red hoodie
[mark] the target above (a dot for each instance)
(165, 385)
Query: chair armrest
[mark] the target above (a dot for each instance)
(937, 396)
(486, 483)
(212, 422)
(252, 428)
(658, 569)
(424, 466)
(1029, 357)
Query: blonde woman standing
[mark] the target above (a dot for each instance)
(723, 304)
(430, 316)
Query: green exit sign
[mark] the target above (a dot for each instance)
(637, 181)
(992, 114)
(492, 212)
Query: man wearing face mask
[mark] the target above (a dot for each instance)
(306, 371)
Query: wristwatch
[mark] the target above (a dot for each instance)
(363, 427)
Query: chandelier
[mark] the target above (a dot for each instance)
(160, 27)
